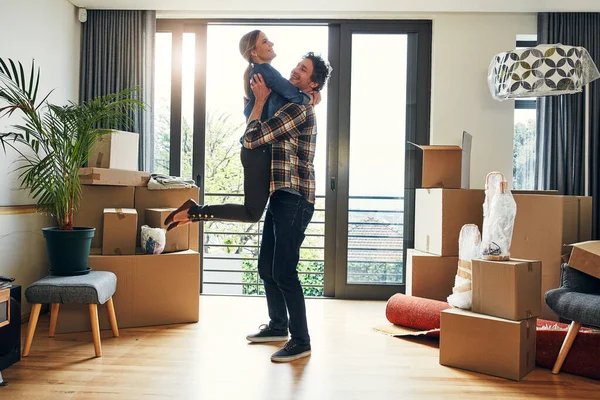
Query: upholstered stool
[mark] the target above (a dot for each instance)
(95, 288)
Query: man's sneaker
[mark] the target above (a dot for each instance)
(291, 351)
(268, 334)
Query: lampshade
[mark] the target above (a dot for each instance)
(544, 70)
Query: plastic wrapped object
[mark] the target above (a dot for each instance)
(499, 212)
(469, 242)
(153, 240)
(544, 70)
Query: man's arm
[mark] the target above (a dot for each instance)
(286, 124)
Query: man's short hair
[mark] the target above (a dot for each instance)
(321, 70)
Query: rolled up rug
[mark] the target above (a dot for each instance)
(414, 312)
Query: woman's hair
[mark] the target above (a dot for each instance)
(247, 44)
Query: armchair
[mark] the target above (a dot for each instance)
(578, 300)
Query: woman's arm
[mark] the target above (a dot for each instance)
(280, 85)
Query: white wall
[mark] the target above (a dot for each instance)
(463, 46)
(47, 31)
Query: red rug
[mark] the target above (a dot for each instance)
(583, 358)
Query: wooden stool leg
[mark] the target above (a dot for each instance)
(53, 317)
(112, 317)
(566, 346)
(95, 329)
(33, 319)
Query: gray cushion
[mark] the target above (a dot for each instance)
(94, 288)
(578, 298)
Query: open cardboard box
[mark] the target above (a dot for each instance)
(446, 166)
(585, 257)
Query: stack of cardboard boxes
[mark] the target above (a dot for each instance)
(545, 223)
(151, 289)
(498, 336)
(441, 209)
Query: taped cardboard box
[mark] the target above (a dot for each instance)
(94, 199)
(544, 224)
(429, 276)
(585, 257)
(486, 344)
(151, 290)
(118, 150)
(177, 239)
(507, 289)
(441, 213)
(113, 177)
(119, 229)
(166, 198)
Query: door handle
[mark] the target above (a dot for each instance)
(332, 184)
(198, 179)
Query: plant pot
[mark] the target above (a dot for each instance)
(68, 251)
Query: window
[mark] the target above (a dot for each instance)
(524, 144)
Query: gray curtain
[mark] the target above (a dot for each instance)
(560, 119)
(117, 52)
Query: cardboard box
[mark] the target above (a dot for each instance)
(177, 239)
(486, 344)
(118, 150)
(94, 199)
(507, 289)
(151, 290)
(439, 216)
(113, 177)
(430, 276)
(585, 257)
(544, 224)
(441, 166)
(119, 231)
(167, 198)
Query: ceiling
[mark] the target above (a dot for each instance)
(317, 8)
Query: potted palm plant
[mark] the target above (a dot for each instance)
(52, 143)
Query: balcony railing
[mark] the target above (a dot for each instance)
(375, 232)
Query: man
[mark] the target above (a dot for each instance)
(292, 133)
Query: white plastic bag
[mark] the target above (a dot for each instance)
(499, 212)
(153, 240)
(469, 242)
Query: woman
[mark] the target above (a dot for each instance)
(256, 48)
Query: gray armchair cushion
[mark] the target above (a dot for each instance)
(578, 298)
(94, 288)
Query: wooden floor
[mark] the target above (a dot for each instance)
(212, 360)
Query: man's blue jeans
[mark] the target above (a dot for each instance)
(286, 220)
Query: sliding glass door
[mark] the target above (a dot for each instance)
(381, 69)
(378, 98)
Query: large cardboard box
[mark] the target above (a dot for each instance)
(177, 239)
(166, 198)
(118, 150)
(118, 233)
(430, 276)
(441, 213)
(486, 344)
(507, 289)
(94, 199)
(113, 177)
(585, 257)
(544, 224)
(151, 290)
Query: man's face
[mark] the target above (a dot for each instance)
(300, 76)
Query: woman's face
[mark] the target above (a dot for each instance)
(263, 50)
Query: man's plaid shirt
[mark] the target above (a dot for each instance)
(292, 132)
